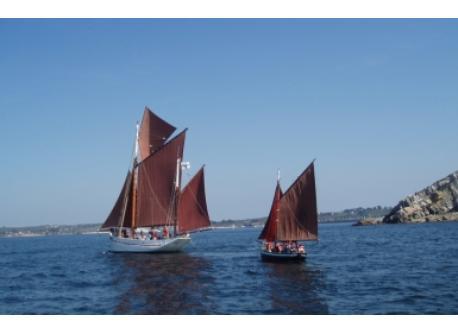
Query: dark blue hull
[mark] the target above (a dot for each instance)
(282, 257)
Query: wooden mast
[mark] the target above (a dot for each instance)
(134, 200)
(138, 206)
(177, 194)
(134, 179)
(277, 208)
(132, 182)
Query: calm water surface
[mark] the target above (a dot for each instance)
(410, 269)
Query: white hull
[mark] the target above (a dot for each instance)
(175, 244)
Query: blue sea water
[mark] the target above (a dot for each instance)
(387, 269)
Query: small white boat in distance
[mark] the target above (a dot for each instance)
(153, 213)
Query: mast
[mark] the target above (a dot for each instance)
(121, 214)
(134, 180)
(277, 203)
(150, 195)
(177, 194)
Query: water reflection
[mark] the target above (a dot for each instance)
(163, 284)
(295, 288)
(220, 273)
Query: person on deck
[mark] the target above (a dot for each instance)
(269, 246)
(301, 249)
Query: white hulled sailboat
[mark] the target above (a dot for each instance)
(153, 213)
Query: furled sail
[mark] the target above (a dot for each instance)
(192, 208)
(118, 216)
(153, 133)
(156, 184)
(269, 233)
(298, 209)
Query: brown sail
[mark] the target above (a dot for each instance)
(117, 216)
(269, 233)
(153, 132)
(298, 209)
(192, 208)
(156, 188)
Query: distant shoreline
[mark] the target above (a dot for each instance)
(95, 233)
(347, 215)
(24, 232)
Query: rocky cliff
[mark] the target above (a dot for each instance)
(438, 202)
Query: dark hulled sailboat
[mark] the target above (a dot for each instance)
(153, 213)
(293, 218)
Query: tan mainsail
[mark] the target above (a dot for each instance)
(192, 208)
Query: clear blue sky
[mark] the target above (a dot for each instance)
(375, 101)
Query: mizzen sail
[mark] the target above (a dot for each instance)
(192, 208)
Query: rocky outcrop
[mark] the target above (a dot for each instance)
(438, 202)
(368, 221)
